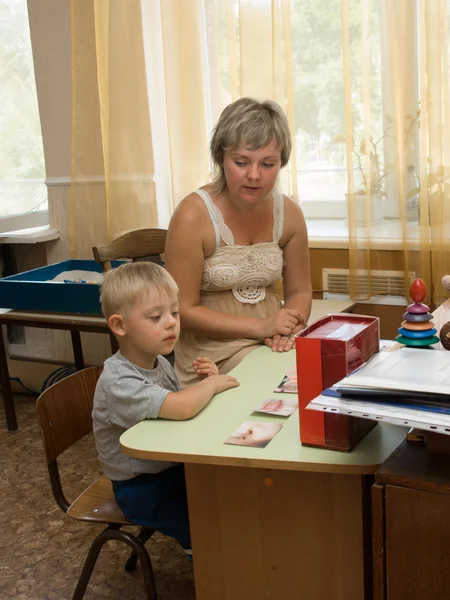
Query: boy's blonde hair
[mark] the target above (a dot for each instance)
(123, 286)
(248, 122)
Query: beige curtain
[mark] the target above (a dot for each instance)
(255, 60)
(406, 173)
(150, 79)
(148, 86)
(132, 60)
(112, 159)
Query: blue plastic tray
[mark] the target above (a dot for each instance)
(34, 290)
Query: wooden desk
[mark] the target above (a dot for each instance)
(73, 323)
(280, 523)
(411, 526)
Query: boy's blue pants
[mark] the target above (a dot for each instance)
(158, 501)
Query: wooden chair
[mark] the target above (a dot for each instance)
(65, 416)
(137, 244)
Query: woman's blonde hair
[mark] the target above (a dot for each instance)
(123, 286)
(250, 123)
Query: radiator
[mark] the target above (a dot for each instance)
(387, 287)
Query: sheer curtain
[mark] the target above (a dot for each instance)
(174, 39)
(397, 151)
(249, 53)
(149, 81)
(433, 30)
(112, 158)
(364, 83)
(139, 137)
(203, 55)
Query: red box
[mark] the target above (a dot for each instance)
(328, 350)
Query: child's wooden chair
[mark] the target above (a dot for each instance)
(138, 244)
(65, 416)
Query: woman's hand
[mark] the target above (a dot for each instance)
(204, 367)
(283, 343)
(280, 343)
(282, 323)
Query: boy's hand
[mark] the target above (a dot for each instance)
(223, 382)
(204, 367)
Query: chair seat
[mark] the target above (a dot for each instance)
(97, 504)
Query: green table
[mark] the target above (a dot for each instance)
(285, 522)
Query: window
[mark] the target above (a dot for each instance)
(23, 194)
(318, 89)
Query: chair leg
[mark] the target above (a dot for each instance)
(89, 564)
(144, 534)
(113, 533)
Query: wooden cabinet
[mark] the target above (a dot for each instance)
(411, 526)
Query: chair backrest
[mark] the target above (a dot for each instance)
(65, 411)
(147, 243)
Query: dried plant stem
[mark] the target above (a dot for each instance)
(361, 169)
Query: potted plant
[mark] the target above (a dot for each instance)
(369, 189)
(367, 160)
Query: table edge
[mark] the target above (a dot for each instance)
(259, 463)
(49, 319)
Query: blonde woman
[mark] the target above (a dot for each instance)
(232, 239)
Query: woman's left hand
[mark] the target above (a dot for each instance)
(280, 343)
(204, 367)
(283, 343)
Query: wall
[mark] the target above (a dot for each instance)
(391, 316)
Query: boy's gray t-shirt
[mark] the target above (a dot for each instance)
(125, 395)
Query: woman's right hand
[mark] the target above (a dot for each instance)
(283, 322)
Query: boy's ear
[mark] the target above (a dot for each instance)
(116, 325)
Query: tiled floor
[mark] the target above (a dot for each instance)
(42, 550)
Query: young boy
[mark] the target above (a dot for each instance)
(140, 302)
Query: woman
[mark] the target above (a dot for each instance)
(231, 240)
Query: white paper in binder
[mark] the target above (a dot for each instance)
(397, 415)
(407, 369)
(410, 369)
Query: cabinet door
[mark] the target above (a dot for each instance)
(417, 544)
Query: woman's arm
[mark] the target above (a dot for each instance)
(191, 238)
(296, 273)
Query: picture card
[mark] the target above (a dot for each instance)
(289, 383)
(256, 434)
(275, 406)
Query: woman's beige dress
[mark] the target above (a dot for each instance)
(239, 281)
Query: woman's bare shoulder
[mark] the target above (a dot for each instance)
(190, 210)
(294, 221)
(292, 210)
(191, 223)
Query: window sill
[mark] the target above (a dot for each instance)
(333, 234)
(33, 235)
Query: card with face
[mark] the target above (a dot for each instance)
(289, 383)
(275, 406)
(256, 434)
